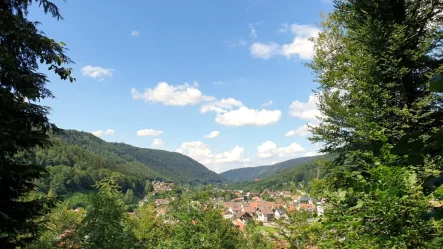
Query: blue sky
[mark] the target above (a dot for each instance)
(221, 81)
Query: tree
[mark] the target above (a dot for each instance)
(147, 227)
(148, 187)
(373, 61)
(129, 197)
(23, 123)
(105, 223)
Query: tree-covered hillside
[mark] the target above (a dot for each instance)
(76, 160)
(292, 178)
(171, 165)
(260, 172)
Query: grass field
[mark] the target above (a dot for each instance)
(267, 229)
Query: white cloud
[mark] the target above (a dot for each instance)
(269, 149)
(245, 116)
(135, 33)
(96, 72)
(312, 153)
(221, 105)
(166, 94)
(219, 83)
(100, 133)
(264, 51)
(201, 152)
(305, 110)
(301, 131)
(149, 132)
(301, 47)
(213, 134)
(269, 103)
(253, 31)
(157, 142)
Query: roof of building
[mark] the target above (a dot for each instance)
(280, 211)
(266, 211)
(250, 210)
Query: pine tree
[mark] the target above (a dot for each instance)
(23, 123)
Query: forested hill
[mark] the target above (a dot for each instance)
(76, 160)
(288, 178)
(259, 172)
(170, 165)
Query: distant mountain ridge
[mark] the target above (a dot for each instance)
(151, 163)
(260, 172)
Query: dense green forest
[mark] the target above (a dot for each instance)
(76, 160)
(259, 172)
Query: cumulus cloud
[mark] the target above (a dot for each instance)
(269, 103)
(305, 110)
(96, 71)
(202, 153)
(166, 94)
(269, 149)
(213, 134)
(264, 51)
(100, 133)
(221, 105)
(149, 132)
(301, 46)
(135, 33)
(157, 142)
(245, 116)
(301, 131)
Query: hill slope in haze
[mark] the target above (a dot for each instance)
(259, 172)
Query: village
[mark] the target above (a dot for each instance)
(267, 208)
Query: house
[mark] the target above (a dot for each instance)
(320, 209)
(265, 214)
(239, 225)
(160, 202)
(307, 207)
(286, 194)
(280, 213)
(235, 209)
(243, 216)
(228, 215)
(250, 210)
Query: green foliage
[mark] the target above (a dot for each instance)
(23, 123)
(202, 229)
(373, 61)
(105, 223)
(147, 227)
(148, 187)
